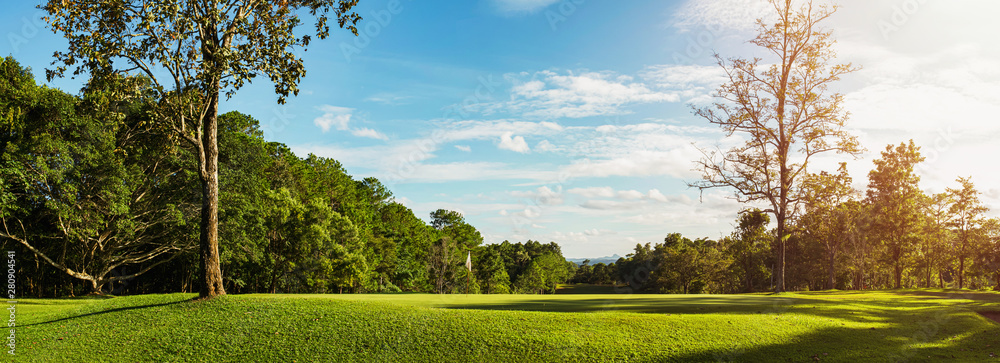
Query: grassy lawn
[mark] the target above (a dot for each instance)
(910, 325)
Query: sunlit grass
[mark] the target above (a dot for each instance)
(913, 325)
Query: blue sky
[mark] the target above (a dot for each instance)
(569, 120)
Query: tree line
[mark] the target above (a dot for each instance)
(100, 198)
(893, 235)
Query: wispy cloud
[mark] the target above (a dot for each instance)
(522, 6)
(369, 133)
(542, 195)
(548, 94)
(339, 118)
(693, 83)
(719, 15)
(389, 99)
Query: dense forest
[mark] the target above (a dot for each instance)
(99, 198)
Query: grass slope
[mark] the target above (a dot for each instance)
(829, 326)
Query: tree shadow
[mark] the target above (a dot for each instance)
(914, 342)
(919, 327)
(108, 311)
(860, 310)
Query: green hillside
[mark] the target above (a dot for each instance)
(829, 326)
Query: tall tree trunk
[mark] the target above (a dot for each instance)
(961, 271)
(779, 285)
(898, 272)
(833, 257)
(928, 283)
(211, 270)
(748, 263)
(864, 255)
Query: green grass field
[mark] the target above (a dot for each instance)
(918, 325)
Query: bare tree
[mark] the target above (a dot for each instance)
(783, 110)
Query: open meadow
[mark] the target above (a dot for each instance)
(836, 326)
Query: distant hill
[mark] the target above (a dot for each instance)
(596, 260)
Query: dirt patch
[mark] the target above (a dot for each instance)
(992, 315)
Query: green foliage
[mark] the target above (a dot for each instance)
(90, 187)
(748, 248)
(191, 52)
(968, 219)
(895, 196)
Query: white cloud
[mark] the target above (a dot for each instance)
(630, 194)
(406, 202)
(522, 6)
(466, 171)
(543, 195)
(594, 192)
(720, 15)
(340, 118)
(694, 83)
(656, 195)
(465, 148)
(612, 205)
(625, 198)
(545, 146)
(453, 131)
(515, 144)
(674, 163)
(389, 99)
(548, 94)
(369, 133)
(333, 117)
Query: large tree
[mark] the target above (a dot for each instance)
(455, 239)
(193, 50)
(936, 239)
(784, 110)
(827, 217)
(894, 195)
(87, 184)
(968, 217)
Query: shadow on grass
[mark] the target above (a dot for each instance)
(916, 326)
(861, 310)
(985, 296)
(929, 341)
(108, 311)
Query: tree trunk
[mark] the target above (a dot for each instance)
(779, 285)
(749, 273)
(928, 283)
(833, 257)
(898, 272)
(897, 256)
(95, 287)
(863, 256)
(211, 270)
(961, 272)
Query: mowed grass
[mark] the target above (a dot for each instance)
(924, 325)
